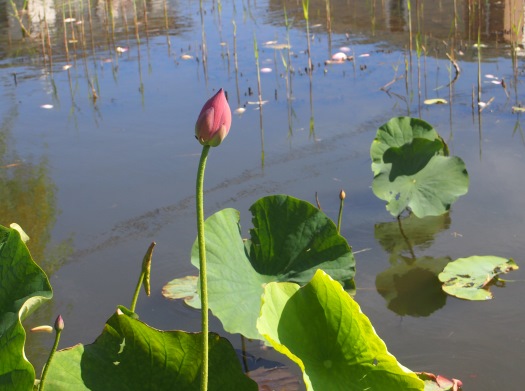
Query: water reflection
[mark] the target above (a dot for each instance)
(411, 285)
(499, 21)
(29, 199)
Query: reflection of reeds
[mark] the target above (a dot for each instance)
(306, 6)
(256, 53)
(16, 15)
(235, 63)
(203, 44)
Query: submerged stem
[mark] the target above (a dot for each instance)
(202, 264)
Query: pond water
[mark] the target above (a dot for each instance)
(98, 156)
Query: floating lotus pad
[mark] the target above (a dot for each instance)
(470, 278)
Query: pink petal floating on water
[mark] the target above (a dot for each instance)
(340, 56)
(364, 55)
(266, 70)
(47, 106)
(489, 76)
(345, 49)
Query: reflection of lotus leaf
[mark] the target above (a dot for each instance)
(415, 232)
(413, 289)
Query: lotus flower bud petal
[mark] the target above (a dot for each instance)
(59, 323)
(214, 121)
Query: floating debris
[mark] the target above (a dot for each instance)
(437, 101)
(121, 49)
(69, 20)
(240, 110)
(345, 49)
(66, 67)
(266, 70)
(277, 46)
(186, 57)
(364, 55)
(47, 106)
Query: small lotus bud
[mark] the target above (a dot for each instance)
(42, 329)
(342, 195)
(214, 120)
(59, 324)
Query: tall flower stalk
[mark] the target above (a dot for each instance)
(213, 125)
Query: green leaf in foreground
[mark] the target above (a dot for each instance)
(23, 288)
(291, 239)
(470, 278)
(322, 329)
(130, 355)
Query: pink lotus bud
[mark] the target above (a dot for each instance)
(59, 323)
(214, 120)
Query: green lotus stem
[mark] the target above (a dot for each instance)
(202, 264)
(136, 294)
(59, 326)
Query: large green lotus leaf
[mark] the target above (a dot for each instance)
(412, 157)
(412, 287)
(398, 132)
(409, 232)
(292, 239)
(430, 192)
(234, 287)
(322, 329)
(129, 355)
(470, 278)
(23, 288)
(237, 272)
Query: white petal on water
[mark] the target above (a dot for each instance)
(240, 110)
(266, 70)
(69, 20)
(186, 57)
(121, 49)
(364, 55)
(47, 106)
(345, 49)
(340, 56)
(489, 76)
(66, 67)
(258, 102)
